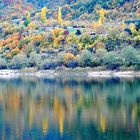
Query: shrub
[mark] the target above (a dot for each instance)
(34, 59)
(23, 42)
(68, 57)
(28, 50)
(99, 56)
(14, 52)
(50, 65)
(100, 53)
(3, 64)
(60, 57)
(136, 64)
(100, 45)
(78, 32)
(86, 40)
(72, 64)
(112, 60)
(128, 31)
(71, 39)
(18, 62)
(130, 56)
(26, 23)
(96, 61)
(85, 58)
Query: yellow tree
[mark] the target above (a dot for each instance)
(60, 16)
(123, 25)
(28, 17)
(43, 14)
(102, 16)
(132, 27)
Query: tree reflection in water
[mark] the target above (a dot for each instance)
(70, 108)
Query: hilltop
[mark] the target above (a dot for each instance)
(77, 9)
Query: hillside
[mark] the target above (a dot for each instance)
(87, 9)
(108, 4)
(100, 34)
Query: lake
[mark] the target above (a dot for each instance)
(67, 108)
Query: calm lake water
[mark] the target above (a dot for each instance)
(70, 108)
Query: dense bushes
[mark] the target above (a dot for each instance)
(50, 65)
(130, 56)
(19, 62)
(72, 64)
(56, 49)
(86, 58)
(34, 60)
(114, 60)
(3, 64)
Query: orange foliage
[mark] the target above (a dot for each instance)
(11, 42)
(36, 38)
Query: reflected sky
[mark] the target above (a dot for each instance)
(69, 108)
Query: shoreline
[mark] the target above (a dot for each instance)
(54, 73)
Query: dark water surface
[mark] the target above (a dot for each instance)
(70, 109)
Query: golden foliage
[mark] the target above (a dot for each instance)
(69, 56)
(31, 25)
(72, 39)
(102, 16)
(57, 31)
(43, 14)
(28, 17)
(37, 38)
(123, 25)
(60, 16)
(58, 36)
(132, 27)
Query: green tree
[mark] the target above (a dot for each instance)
(86, 58)
(130, 56)
(35, 59)
(19, 62)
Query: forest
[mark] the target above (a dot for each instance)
(46, 34)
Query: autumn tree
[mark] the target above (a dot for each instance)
(60, 16)
(28, 17)
(123, 25)
(133, 29)
(43, 14)
(102, 16)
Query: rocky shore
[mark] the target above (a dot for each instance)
(52, 73)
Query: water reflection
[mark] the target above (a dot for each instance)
(70, 108)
